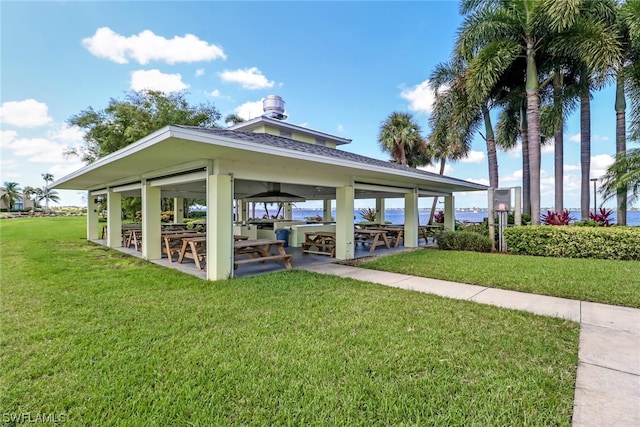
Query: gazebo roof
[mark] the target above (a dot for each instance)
(176, 150)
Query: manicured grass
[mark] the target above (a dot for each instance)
(107, 339)
(604, 281)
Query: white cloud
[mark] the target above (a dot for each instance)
(515, 177)
(435, 168)
(67, 134)
(39, 150)
(146, 46)
(420, 97)
(200, 72)
(249, 110)
(27, 113)
(482, 181)
(474, 157)
(600, 163)
(594, 137)
(249, 78)
(575, 137)
(156, 80)
(548, 148)
(214, 93)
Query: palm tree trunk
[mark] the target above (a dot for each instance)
(559, 143)
(533, 120)
(435, 199)
(491, 148)
(621, 146)
(585, 151)
(526, 180)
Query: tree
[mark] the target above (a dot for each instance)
(48, 195)
(141, 113)
(233, 119)
(29, 192)
(47, 179)
(398, 135)
(624, 173)
(627, 81)
(500, 32)
(10, 194)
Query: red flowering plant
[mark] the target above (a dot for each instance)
(557, 218)
(603, 217)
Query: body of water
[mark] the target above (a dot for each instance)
(396, 216)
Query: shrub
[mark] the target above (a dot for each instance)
(557, 218)
(602, 218)
(622, 243)
(482, 228)
(463, 241)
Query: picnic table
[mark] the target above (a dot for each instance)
(172, 241)
(372, 237)
(323, 241)
(395, 232)
(260, 251)
(194, 248)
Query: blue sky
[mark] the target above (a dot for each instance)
(341, 67)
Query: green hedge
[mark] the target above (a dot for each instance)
(463, 241)
(621, 243)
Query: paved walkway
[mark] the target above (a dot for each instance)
(608, 380)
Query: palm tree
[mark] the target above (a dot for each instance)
(398, 135)
(498, 32)
(47, 179)
(624, 173)
(628, 18)
(29, 192)
(48, 195)
(451, 135)
(10, 193)
(233, 119)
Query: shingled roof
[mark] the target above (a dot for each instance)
(315, 149)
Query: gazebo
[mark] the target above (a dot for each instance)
(229, 166)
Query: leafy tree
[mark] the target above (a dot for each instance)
(400, 134)
(127, 121)
(233, 119)
(10, 193)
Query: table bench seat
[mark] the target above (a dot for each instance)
(285, 258)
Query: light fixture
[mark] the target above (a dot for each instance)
(274, 195)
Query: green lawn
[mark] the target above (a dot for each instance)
(604, 281)
(107, 339)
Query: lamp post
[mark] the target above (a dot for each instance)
(595, 200)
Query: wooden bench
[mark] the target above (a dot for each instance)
(285, 258)
(324, 241)
(260, 251)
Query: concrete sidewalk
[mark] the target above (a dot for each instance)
(608, 379)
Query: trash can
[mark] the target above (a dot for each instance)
(283, 234)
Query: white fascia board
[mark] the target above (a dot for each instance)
(147, 141)
(129, 187)
(179, 179)
(284, 152)
(386, 189)
(102, 192)
(177, 169)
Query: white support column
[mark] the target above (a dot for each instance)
(449, 213)
(93, 214)
(219, 226)
(178, 210)
(380, 211)
(344, 223)
(288, 211)
(151, 218)
(114, 219)
(411, 220)
(326, 211)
